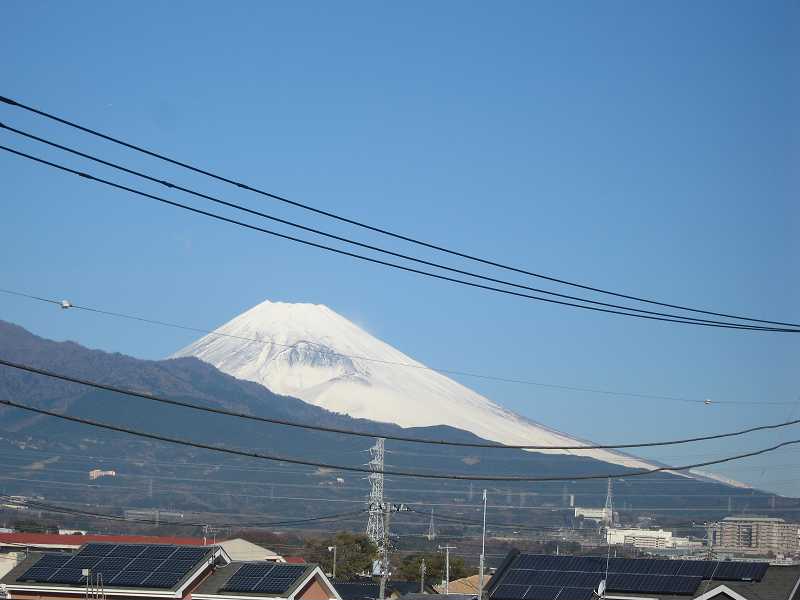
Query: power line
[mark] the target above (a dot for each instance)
(115, 489)
(459, 477)
(373, 228)
(72, 458)
(339, 238)
(683, 320)
(321, 352)
(63, 509)
(231, 413)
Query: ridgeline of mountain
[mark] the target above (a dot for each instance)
(49, 457)
(310, 352)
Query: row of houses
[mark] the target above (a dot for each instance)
(183, 569)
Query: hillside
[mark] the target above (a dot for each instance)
(51, 458)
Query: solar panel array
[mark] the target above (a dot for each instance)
(264, 578)
(545, 577)
(121, 565)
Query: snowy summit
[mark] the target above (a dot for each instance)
(310, 352)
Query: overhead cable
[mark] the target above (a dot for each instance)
(684, 321)
(333, 353)
(79, 512)
(454, 476)
(373, 228)
(339, 238)
(374, 434)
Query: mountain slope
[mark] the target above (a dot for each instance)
(310, 352)
(48, 457)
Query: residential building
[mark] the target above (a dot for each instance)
(243, 551)
(160, 572)
(549, 577)
(754, 535)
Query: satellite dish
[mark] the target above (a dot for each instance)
(601, 588)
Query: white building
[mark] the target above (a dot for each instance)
(641, 538)
(595, 514)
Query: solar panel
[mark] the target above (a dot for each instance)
(292, 571)
(518, 577)
(129, 550)
(506, 591)
(540, 592)
(177, 566)
(652, 584)
(241, 584)
(162, 580)
(144, 564)
(130, 578)
(254, 570)
(67, 576)
(96, 549)
(274, 585)
(738, 571)
(83, 562)
(36, 574)
(53, 560)
(719, 570)
(45, 567)
(129, 565)
(117, 563)
(571, 593)
(157, 552)
(193, 554)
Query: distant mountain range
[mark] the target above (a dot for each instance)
(49, 457)
(313, 353)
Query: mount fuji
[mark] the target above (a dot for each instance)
(310, 352)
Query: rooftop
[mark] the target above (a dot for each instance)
(547, 577)
(124, 568)
(54, 539)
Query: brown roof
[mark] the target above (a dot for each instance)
(53, 539)
(465, 585)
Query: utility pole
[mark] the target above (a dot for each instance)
(333, 549)
(422, 577)
(387, 510)
(446, 567)
(385, 557)
(483, 545)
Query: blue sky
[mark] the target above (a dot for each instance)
(650, 148)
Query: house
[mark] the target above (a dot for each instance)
(241, 550)
(120, 570)
(469, 586)
(14, 547)
(255, 580)
(547, 577)
(160, 571)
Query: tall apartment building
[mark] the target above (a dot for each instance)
(754, 535)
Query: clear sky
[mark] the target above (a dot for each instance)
(651, 148)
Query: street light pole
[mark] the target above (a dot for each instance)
(483, 545)
(333, 549)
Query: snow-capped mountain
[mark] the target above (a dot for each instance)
(310, 352)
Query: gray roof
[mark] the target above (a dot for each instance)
(10, 578)
(217, 580)
(778, 584)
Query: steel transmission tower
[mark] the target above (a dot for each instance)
(431, 529)
(376, 507)
(608, 511)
